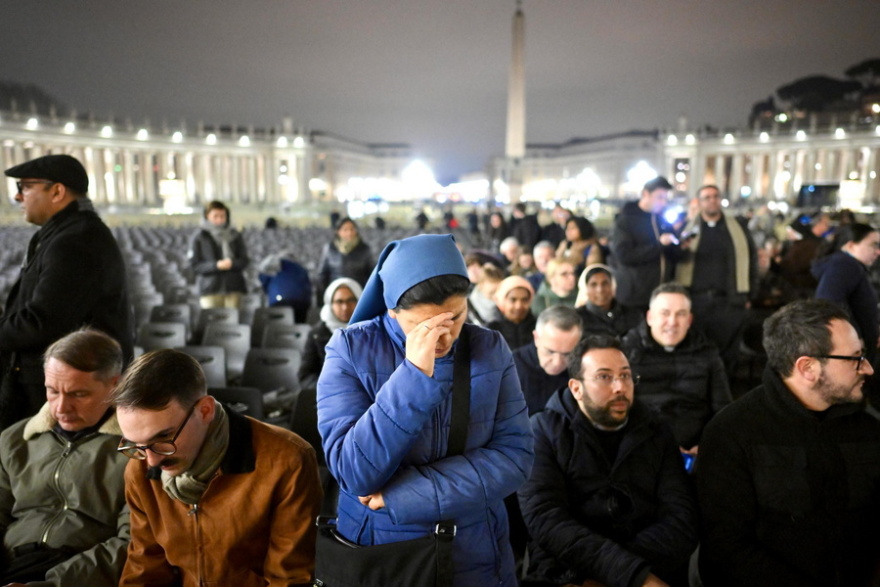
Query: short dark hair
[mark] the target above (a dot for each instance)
(669, 288)
(560, 316)
(216, 205)
(800, 329)
(658, 183)
(342, 221)
(435, 290)
(156, 378)
(88, 350)
(587, 344)
(853, 233)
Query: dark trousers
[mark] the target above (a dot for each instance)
(722, 319)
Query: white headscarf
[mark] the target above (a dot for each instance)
(327, 315)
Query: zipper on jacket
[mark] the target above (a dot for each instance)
(68, 448)
(194, 512)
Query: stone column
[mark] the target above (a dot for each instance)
(515, 144)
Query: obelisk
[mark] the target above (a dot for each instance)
(515, 146)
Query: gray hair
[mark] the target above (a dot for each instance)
(561, 317)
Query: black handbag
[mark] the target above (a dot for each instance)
(421, 562)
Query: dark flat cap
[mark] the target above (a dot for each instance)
(58, 168)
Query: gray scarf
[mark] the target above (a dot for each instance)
(223, 236)
(189, 486)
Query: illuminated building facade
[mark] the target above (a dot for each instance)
(176, 168)
(754, 164)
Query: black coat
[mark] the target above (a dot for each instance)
(686, 386)
(640, 260)
(74, 276)
(617, 321)
(612, 522)
(789, 497)
(537, 386)
(357, 265)
(526, 230)
(204, 252)
(516, 335)
(313, 355)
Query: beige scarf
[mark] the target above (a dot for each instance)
(345, 247)
(189, 486)
(684, 272)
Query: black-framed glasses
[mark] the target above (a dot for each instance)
(21, 185)
(858, 359)
(163, 447)
(607, 379)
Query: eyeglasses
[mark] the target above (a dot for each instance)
(844, 358)
(163, 447)
(21, 185)
(607, 380)
(345, 302)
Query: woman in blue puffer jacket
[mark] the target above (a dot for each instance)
(384, 408)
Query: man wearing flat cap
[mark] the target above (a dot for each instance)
(72, 276)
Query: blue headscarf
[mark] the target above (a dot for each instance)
(403, 264)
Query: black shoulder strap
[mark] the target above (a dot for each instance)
(461, 395)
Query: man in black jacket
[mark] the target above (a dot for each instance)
(542, 365)
(608, 499)
(72, 276)
(641, 247)
(681, 373)
(788, 476)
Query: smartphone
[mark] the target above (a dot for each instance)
(688, 461)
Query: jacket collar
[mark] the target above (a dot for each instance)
(44, 422)
(787, 404)
(240, 456)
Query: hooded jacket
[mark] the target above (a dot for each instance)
(384, 426)
(64, 493)
(593, 519)
(686, 386)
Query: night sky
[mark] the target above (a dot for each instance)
(432, 73)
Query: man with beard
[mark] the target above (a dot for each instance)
(608, 501)
(788, 475)
(719, 266)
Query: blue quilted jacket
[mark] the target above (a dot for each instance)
(384, 426)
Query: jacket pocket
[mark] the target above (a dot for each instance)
(862, 472)
(781, 479)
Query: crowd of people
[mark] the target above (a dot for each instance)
(600, 439)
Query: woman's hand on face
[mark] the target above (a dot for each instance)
(421, 342)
